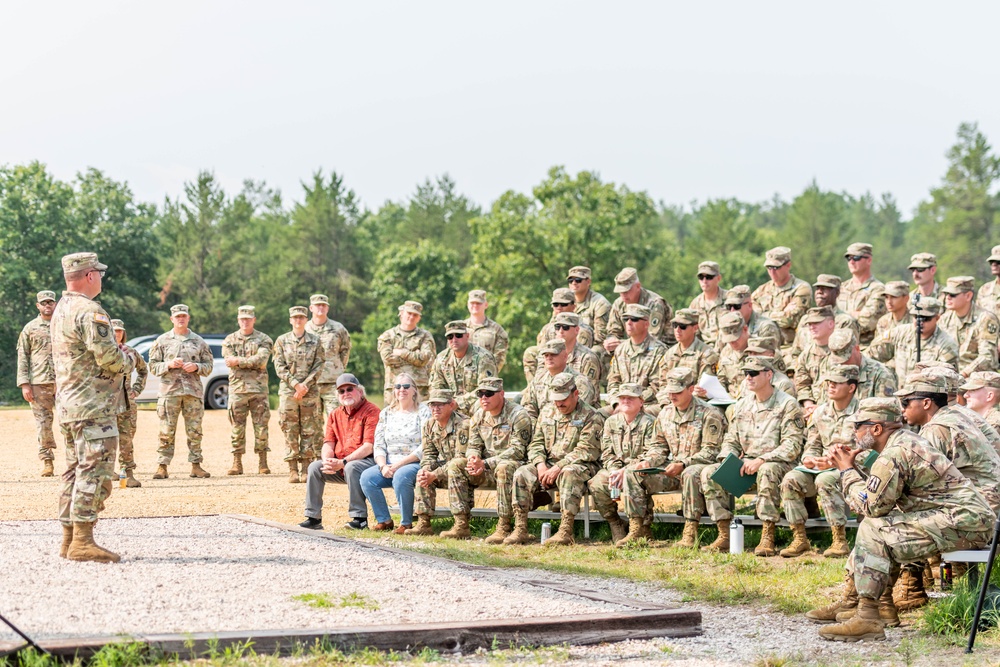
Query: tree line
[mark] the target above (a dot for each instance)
(215, 250)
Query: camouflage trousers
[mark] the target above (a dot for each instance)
(328, 397)
(169, 409)
(885, 543)
(301, 422)
(768, 488)
(571, 482)
(637, 492)
(91, 445)
(426, 500)
(798, 485)
(41, 410)
(256, 407)
(462, 485)
(127, 424)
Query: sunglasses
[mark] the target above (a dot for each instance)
(703, 276)
(345, 390)
(575, 280)
(682, 327)
(751, 374)
(633, 319)
(454, 335)
(560, 305)
(906, 401)
(405, 385)
(858, 425)
(485, 393)
(993, 261)
(775, 268)
(855, 258)
(563, 327)
(733, 306)
(918, 270)
(103, 272)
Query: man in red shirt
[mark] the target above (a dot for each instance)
(347, 452)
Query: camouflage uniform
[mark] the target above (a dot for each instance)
(462, 376)
(808, 370)
(988, 297)
(248, 388)
(440, 446)
(803, 338)
(889, 321)
(594, 311)
(977, 335)
(660, 312)
(784, 305)
(699, 357)
(491, 337)
(640, 364)
(622, 445)
(336, 344)
(993, 418)
(869, 302)
(128, 421)
(709, 314)
(875, 380)
(34, 368)
(537, 395)
(898, 348)
(586, 363)
(299, 360)
(729, 374)
(417, 360)
(573, 443)
(763, 327)
(955, 436)
(181, 393)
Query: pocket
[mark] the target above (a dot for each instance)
(100, 432)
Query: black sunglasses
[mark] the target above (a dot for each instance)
(733, 306)
(906, 401)
(918, 270)
(682, 327)
(560, 305)
(485, 393)
(405, 385)
(993, 261)
(703, 276)
(854, 258)
(575, 280)
(454, 335)
(633, 319)
(563, 327)
(345, 390)
(858, 425)
(751, 374)
(775, 268)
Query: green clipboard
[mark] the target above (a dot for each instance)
(649, 471)
(812, 471)
(729, 478)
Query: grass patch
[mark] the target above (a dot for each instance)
(327, 601)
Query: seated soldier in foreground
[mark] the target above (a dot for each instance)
(444, 438)
(982, 394)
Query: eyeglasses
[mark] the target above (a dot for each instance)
(906, 401)
(454, 335)
(918, 270)
(678, 325)
(751, 374)
(575, 280)
(775, 268)
(405, 385)
(562, 327)
(485, 393)
(993, 261)
(734, 306)
(858, 425)
(855, 258)
(560, 305)
(103, 272)
(703, 276)
(633, 319)
(345, 390)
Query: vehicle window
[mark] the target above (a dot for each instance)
(216, 350)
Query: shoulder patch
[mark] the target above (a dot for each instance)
(463, 437)
(873, 483)
(525, 434)
(101, 318)
(991, 328)
(102, 331)
(799, 422)
(888, 391)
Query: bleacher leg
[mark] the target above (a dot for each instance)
(983, 586)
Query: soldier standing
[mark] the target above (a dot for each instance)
(298, 361)
(444, 438)
(989, 293)
(90, 369)
(923, 267)
(36, 376)
(336, 344)
(246, 352)
(711, 303)
(594, 310)
(976, 330)
(180, 358)
(900, 343)
(485, 332)
(784, 298)
(861, 296)
(406, 348)
(462, 366)
(632, 293)
(128, 420)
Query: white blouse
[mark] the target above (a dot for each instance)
(397, 434)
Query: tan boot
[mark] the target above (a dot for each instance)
(130, 481)
(501, 532)
(910, 593)
(864, 626)
(262, 464)
(721, 543)
(766, 547)
(304, 469)
(161, 472)
(617, 526)
(47, 468)
(520, 534)
(237, 468)
(637, 529)
(67, 539)
(831, 613)
(840, 547)
(886, 610)
(199, 472)
(83, 547)
(800, 542)
(293, 472)
(423, 526)
(563, 536)
(690, 537)
(460, 531)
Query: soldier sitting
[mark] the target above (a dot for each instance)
(443, 439)
(982, 394)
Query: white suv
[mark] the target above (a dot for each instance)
(216, 384)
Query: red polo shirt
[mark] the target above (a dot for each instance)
(349, 430)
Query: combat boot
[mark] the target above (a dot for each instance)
(293, 472)
(161, 472)
(886, 610)
(721, 543)
(617, 526)
(460, 531)
(911, 593)
(637, 529)
(848, 602)
(690, 537)
(67, 539)
(304, 470)
(47, 468)
(766, 547)
(423, 526)
(83, 547)
(840, 547)
(563, 536)
(262, 464)
(237, 468)
(865, 625)
(520, 534)
(800, 542)
(199, 472)
(130, 481)
(501, 532)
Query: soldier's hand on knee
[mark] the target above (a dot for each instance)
(475, 466)
(673, 469)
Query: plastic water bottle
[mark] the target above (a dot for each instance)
(546, 531)
(122, 480)
(736, 536)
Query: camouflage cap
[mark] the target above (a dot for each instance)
(731, 327)
(567, 319)
(828, 280)
(755, 363)
(563, 295)
(579, 272)
(924, 382)
(81, 261)
(456, 326)
(441, 396)
(841, 373)
(778, 256)
(491, 383)
(994, 254)
(552, 346)
(678, 379)
(922, 260)
(709, 268)
(180, 308)
(817, 315)
(981, 379)
(928, 306)
(897, 288)
(298, 311)
(246, 312)
(877, 410)
(412, 307)
(633, 389)
(45, 295)
(686, 316)
(562, 386)
(959, 284)
(637, 310)
(319, 298)
(953, 379)
(842, 343)
(477, 296)
(347, 378)
(738, 295)
(625, 279)
(762, 345)
(864, 249)
(117, 325)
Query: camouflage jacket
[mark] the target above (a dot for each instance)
(993, 417)
(501, 438)
(729, 373)
(935, 293)
(887, 322)
(827, 427)
(491, 337)
(803, 338)
(548, 332)
(763, 327)
(417, 360)
(336, 344)
(785, 305)
(536, 396)
(699, 357)
(955, 436)
(297, 360)
(595, 311)
(875, 380)
(988, 297)
(585, 362)
(176, 381)
(463, 375)
(34, 354)
(693, 436)
(977, 335)
(867, 301)
(624, 443)
(899, 347)
(660, 314)
(985, 427)
(709, 313)
(563, 440)
(808, 373)
(441, 444)
(640, 364)
(772, 430)
(252, 352)
(141, 375)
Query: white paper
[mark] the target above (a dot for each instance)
(716, 392)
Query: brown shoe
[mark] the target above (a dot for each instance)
(637, 529)
(262, 464)
(383, 526)
(237, 468)
(910, 592)
(840, 546)
(721, 543)
(199, 472)
(161, 472)
(520, 534)
(563, 536)
(83, 547)
(67, 539)
(501, 532)
(304, 470)
(690, 537)
(617, 526)
(460, 529)
(293, 472)
(47, 469)
(130, 481)
(766, 548)
(800, 542)
(403, 527)
(423, 526)
(848, 602)
(865, 625)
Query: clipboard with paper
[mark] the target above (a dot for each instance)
(729, 478)
(866, 465)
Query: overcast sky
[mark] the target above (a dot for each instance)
(686, 101)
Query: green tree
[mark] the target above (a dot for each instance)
(818, 227)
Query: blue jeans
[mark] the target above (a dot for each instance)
(402, 483)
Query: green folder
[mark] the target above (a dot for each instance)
(650, 471)
(729, 478)
(870, 461)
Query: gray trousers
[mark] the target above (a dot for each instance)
(351, 475)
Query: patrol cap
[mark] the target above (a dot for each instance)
(778, 256)
(842, 343)
(491, 383)
(441, 396)
(923, 382)
(678, 379)
(928, 306)
(877, 410)
(922, 260)
(864, 249)
(762, 345)
(563, 295)
(841, 373)
(817, 314)
(897, 288)
(629, 389)
(477, 296)
(347, 378)
(731, 327)
(45, 295)
(579, 272)
(958, 285)
(412, 307)
(709, 268)
(755, 363)
(319, 298)
(738, 295)
(981, 379)
(567, 319)
(625, 279)
(179, 308)
(117, 325)
(941, 369)
(637, 310)
(456, 326)
(994, 254)
(81, 261)
(686, 316)
(553, 346)
(246, 312)
(828, 280)
(298, 311)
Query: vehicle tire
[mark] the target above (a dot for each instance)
(217, 396)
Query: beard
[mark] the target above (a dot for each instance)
(866, 442)
(349, 401)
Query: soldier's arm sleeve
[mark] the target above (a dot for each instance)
(520, 439)
(731, 442)
(609, 460)
(588, 444)
(616, 326)
(345, 347)
(877, 495)
(106, 352)
(157, 366)
(655, 379)
(423, 355)
(803, 380)
(588, 392)
(385, 349)
(614, 375)
(939, 438)
(487, 367)
(429, 450)
(601, 311)
(814, 444)
(986, 340)
(591, 369)
(23, 359)
(205, 361)
(657, 449)
(658, 319)
(536, 447)
(949, 353)
(874, 308)
(227, 349)
(258, 360)
(713, 430)
(789, 447)
(789, 316)
(501, 343)
(281, 367)
(437, 377)
(476, 445)
(529, 401)
(316, 366)
(141, 373)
